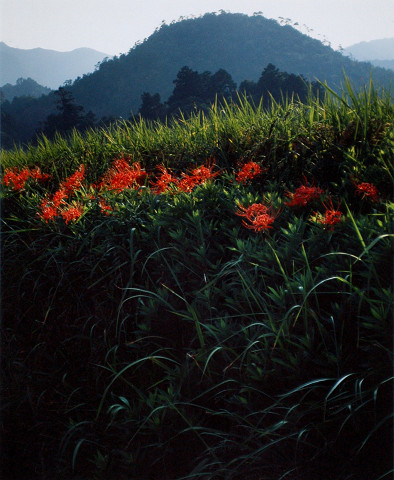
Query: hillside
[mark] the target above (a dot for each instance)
(379, 53)
(24, 87)
(47, 67)
(240, 44)
(382, 49)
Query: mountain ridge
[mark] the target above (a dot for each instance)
(49, 68)
(379, 49)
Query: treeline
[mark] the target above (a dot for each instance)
(193, 91)
(198, 91)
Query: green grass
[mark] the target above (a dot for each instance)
(168, 341)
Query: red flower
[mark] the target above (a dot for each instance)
(17, 179)
(252, 211)
(331, 217)
(367, 190)
(48, 212)
(248, 172)
(188, 182)
(59, 196)
(198, 176)
(74, 181)
(163, 181)
(72, 213)
(122, 176)
(303, 195)
(258, 215)
(204, 172)
(38, 175)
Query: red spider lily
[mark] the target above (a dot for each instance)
(122, 176)
(252, 211)
(72, 213)
(74, 181)
(331, 217)
(17, 179)
(59, 196)
(259, 216)
(163, 181)
(48, 212)
(367, 190)
(38, 175)
(49, 208)
(188, 182)
(198, 176)
(303, 195)
(204, 172)
(261, 222)
(248, 171)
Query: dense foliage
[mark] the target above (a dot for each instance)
(241, 45)
(195, 91)
(210, 299)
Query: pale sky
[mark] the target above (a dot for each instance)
(113, 26)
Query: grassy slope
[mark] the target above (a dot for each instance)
(131, 340)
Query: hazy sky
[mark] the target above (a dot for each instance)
(113, 26)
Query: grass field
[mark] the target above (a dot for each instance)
(205, 299)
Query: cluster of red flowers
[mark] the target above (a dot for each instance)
(163, 181)
(48, 210)
(72, 213)
(259, 216)
(367, 190)
(51, 208)
(74, 182)
(303, 195)
(17, 179)
(187, 182)
(122, 176)
(248, 171)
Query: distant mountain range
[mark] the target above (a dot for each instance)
(378, 52)
(375, 49)
(49, 68)
(240, 44)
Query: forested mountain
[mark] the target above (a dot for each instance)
(239, 44)
(24, 87)
(47, 67)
